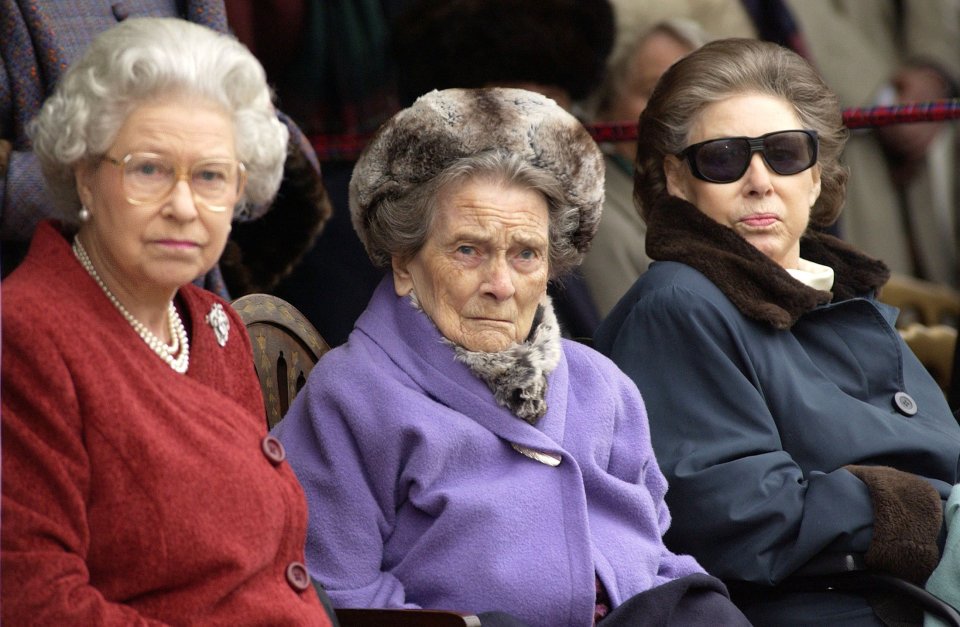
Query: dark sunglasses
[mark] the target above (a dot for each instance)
(725, 160)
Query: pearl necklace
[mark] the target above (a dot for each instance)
(166, 352)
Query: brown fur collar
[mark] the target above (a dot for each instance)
(758, 287)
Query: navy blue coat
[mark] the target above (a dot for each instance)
(755, 407)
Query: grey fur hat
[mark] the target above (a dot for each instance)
(442, 127)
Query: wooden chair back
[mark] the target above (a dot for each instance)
(285, 348)
(922, 301)
(934, 346)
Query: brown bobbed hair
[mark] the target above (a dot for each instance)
(730, 67)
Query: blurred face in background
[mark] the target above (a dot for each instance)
(655, 53)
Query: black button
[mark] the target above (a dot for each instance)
(904, 404)
(121, 10)
(298, 577)
(273, 449)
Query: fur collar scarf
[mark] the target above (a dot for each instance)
(758, 287)
(517, 375)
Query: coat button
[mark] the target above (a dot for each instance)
(273, 449)
(904, 404)
(120, 10)
(298, 577)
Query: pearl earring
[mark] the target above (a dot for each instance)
(83, 214)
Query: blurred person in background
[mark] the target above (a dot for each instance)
(642, 54)
(330, 65)
(903, 200)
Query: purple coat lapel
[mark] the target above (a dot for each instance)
(423, 355)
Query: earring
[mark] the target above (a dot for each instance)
(83, 214)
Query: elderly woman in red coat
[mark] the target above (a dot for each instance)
(139, 483)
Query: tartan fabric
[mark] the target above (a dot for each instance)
(339, 146)
(603, 132)
(933, 111)
(854, 117)
(340, 77)
(348, 146)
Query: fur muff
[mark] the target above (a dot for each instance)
(907, 517)
(755, 284)
(442, 127)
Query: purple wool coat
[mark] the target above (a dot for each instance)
(417, 499)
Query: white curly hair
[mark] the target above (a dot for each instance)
(148, 59)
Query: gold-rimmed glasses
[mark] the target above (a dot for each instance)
(149, 178)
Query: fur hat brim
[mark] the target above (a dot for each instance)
(442, 127)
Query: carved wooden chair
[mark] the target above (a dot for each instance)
(404, 618)
(934, 346)
(928, 321)
(285, 348)
(922, 301)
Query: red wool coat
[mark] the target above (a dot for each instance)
(133, 495)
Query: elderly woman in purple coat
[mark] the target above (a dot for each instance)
(456, 452)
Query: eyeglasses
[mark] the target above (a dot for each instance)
(149, 178)
(726, 159)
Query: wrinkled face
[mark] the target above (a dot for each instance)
(769, 210)
(162, 245)
(653, 56)
(484, 267)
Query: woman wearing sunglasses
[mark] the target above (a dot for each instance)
(793, 424)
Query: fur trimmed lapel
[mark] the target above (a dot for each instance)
(758, 287)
